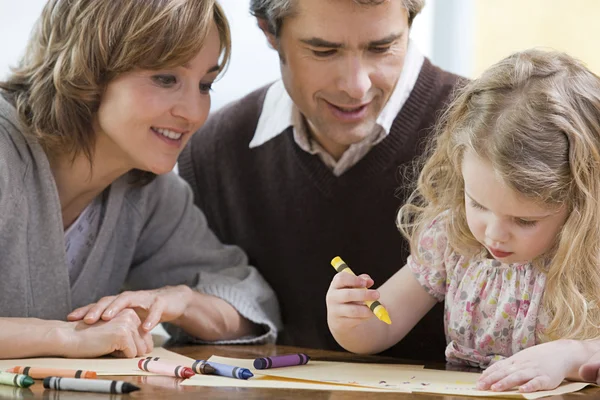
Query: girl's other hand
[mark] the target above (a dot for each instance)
(345, 301)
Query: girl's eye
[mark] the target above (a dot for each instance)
(524, 222)
(205, 88)
(324, 53)
(477, 205)
(165, 80)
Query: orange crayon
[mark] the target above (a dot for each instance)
(41, 373)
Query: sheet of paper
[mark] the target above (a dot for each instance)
(371, 377)
(469, 390)
(329, 372)
(102, 366)
(270, 382)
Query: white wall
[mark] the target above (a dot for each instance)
(442, 32)
(16, 21)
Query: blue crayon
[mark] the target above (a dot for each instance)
(230, 371)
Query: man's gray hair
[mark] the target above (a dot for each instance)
(275, 11)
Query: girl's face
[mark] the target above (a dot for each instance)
(146, 117)
(512, 228)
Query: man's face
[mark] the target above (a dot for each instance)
(340, 63)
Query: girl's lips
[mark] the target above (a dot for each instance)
(499, 254)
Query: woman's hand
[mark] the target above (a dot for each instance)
(345, 301)
(541, 367)
(152, 306)
(121, 336)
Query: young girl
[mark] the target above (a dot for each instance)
(504, 227)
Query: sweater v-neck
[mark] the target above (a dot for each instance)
(61, 266)
(382, 156)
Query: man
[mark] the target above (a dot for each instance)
(308, 168)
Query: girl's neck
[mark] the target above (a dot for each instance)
(78, 182)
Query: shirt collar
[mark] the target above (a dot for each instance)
(278, 108)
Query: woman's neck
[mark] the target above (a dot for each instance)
(78, 182)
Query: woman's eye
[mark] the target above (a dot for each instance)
(165, 80)
(206, 87)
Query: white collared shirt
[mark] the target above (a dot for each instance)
(279, 112)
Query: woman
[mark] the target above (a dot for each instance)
(91, 124)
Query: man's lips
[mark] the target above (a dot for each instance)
(349, 114)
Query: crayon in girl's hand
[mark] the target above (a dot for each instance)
(375, 306)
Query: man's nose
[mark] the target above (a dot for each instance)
(354, 78)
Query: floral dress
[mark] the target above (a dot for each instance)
(492, 309)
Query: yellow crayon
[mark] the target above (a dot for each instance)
(375, 306)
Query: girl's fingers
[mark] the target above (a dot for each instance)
(344, 296)
(589, 371)
(536, 384)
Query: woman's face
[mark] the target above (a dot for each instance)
(146, 117)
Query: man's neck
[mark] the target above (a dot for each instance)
(334, 149)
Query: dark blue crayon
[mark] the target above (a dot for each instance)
(286, 360)
(230, 371)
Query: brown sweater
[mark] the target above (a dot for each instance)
(292, 215)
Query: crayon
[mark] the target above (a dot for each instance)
(89, 385)
(198, 367)
(281, 361)
(230, 371)
(150, 364)
(375, 306)
(12, 379)
(41, 373)
(203, 367)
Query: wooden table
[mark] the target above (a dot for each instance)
(157, 387)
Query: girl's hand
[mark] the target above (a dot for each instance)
(152, 306)
(345, 301)
(541, 367)
(120, 337)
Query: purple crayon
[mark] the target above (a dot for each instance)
(281, 361)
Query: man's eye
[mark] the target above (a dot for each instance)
(380, 50)
(324, 53)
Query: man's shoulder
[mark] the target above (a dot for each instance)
(442, 77)
(236, 120)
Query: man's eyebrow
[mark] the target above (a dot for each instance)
(319, 42)
(386, 40)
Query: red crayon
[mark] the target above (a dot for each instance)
(150, 364)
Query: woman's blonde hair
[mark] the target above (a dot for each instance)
(79, 46)
(535, 116)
